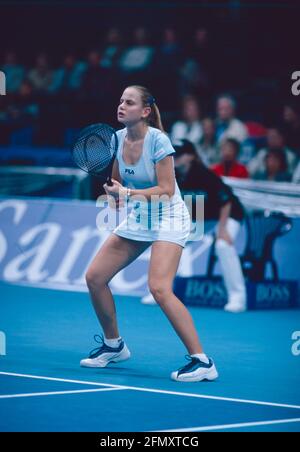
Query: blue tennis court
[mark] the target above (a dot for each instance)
(42, 387)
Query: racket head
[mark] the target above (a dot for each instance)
(95, 149)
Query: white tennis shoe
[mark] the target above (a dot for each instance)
(103, 355)
(196, 370)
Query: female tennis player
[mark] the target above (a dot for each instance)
(144, 170)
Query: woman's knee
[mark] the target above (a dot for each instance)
(160, 291)
(93, 278)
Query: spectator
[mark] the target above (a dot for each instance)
(194, 77)
(208, 149)
(40, 76)
(136, 60)
(167, 62)
(19, 117)
(275, 168)
(229, 165)
(275, 141)
(14, 72)
(221, 205)
(23, 109)
(95, 80)
(291, 127)
(170, 50)
(189, 127)
(228, 126)
(68, 78)
(113, 49)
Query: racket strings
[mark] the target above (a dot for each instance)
(95, 148)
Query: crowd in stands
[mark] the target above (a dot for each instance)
(46, 104)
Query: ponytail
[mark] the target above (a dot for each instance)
(155, 118)
(148, 100)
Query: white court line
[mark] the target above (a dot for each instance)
(36, 394)
(231, 426)
(157, 391)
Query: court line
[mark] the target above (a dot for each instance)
(36, 394)
(231, 426)
(157, 391)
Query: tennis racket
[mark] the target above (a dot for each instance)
(95, 149)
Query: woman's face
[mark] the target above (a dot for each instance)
(130, 109)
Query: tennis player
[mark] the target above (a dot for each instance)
(144, 170)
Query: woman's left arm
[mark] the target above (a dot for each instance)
(165, 182)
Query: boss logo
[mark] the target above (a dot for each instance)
(206, 291)
(129, 171)
(268, 294)
(2, 84)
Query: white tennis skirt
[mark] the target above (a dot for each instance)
(170, 223)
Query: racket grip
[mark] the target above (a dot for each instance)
(108, 181)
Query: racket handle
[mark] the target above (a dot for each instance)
(108, 181)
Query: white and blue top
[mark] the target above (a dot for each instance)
(146, 221)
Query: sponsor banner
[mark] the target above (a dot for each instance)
(50, 243)
(210, 292)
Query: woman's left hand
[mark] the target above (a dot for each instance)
(117, 190)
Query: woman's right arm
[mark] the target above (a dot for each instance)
(115, 172)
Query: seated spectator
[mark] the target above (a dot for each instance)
(14, 72)
(95, 80)
(275, 141)
(166, 65)
(23, 108)
(207, 148)
(275, 168)
(68, 77)
(137, 58)
(291, 127)
(170, 50)
(219, 204)
(194, 71)
(40, 76)
(113, 48)
(21, 112)
(189, 127)
(228, 126)
(229, 166)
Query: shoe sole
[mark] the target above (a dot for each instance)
(210, 376)
(118, 358)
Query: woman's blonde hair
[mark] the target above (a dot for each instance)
(148, 100)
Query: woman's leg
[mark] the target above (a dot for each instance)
(165, 257)
(114, 255)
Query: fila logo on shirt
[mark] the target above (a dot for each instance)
(129, 171)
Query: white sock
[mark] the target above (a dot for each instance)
(202, 357)
(113, 342)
